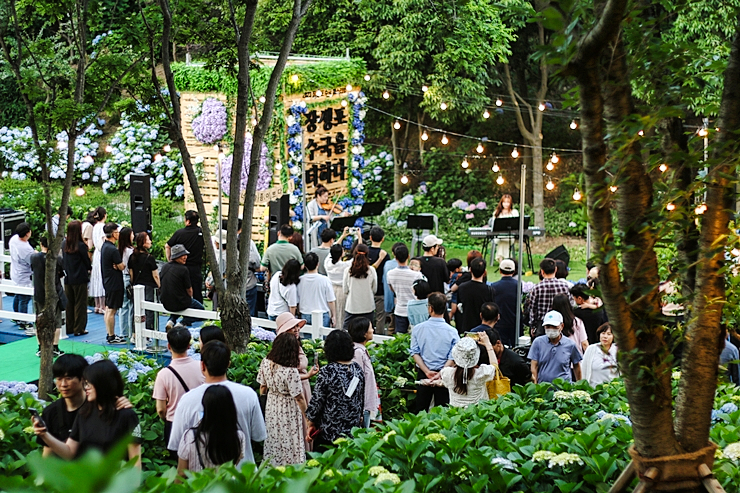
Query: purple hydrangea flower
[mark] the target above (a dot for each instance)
(211, 125)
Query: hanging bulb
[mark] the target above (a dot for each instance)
(216, 148)
(405, 180)
(550, 185)
(88, 159)
(703, 132)
(700, 209)
(479, 149)
(344, 103)
(663, 168)
(495, 168)
(397, 125)
(424, 88)
(367, 77)
(554, 159)
(613, 189)
(445, 140)
(541, 107)
(670, 207)
(465, 164)
(386, 95)
(550, 166)
(573, 125)
(167, 148)
(80, 192)
(109, 148)
(263, 99)
(254, 122)
(499, 102)
(576, 195)
(278, 166)
(486, 115)
(157, 158)
(641, 133)
(443, 106)
(349, 87)
(515, 153)
(500, 180)
(294, 78)
(319, 93)
(221, 156)
(424, 136)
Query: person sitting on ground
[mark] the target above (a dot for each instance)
(361, 331)
(176, 292)
(173, 381)
(284, 290)
(215, 359)
(216, 439)
(553, 356)
(418, 309)
(600, 360)
(316, 293)
(99, 424)
(401, 282)
(38, 265)
(466, 380)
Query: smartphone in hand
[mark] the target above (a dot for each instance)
(316, 358)
(35, 414)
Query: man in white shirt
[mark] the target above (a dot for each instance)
(316, 293)
(215, 357)
(401, 281)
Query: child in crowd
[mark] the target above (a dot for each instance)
(415, 264)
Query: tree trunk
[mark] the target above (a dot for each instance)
(538, 188)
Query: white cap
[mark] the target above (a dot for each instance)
(507, 266)
(552, 318)
(430, 241)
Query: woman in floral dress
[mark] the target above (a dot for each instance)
(284, 413)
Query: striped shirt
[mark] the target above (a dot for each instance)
(401, 280)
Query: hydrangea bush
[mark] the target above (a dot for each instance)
(211, 124)
(377, 176)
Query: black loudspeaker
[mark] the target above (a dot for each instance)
(9, 220)
(560, 253)
(141, 203)
(279, 215)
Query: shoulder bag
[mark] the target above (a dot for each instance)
(500, 385)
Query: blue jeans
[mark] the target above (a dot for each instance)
(326, 321)
(252, 301)
(366, 418)
(20, 303)
(188, 320)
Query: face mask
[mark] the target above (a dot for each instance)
(552, 333)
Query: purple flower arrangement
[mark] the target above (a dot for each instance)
(210, 126)
(265, 174)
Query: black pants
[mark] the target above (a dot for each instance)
(76, 308)
(149, 296)
(196, 281)
(425, 393)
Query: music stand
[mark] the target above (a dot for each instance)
(370, 209)
(511, 225)
(421, 222)
(339, 223)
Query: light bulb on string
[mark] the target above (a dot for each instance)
(641, 133)
(573, 125)
(703, 132)
(700, 209)
(500, 180)
(397, 125)
(486, 115)
(541, 107)
(278, 166)
(425, 136)
(254, 122)
(262, 99)
(554, 159)
(89, 159)
(167, 148)
(479, 149)
(157, 158)
(495, 168)
(445, 140)
(550, 185)
(576, 195)
(424, 88)
(294, 78)
(367, 77)
(663, 168)
(221, 156)
(386, 95)
(109, 148)
(344, 103)
(349, 87)
(80, 191)
(61, 145)
(465, 164)
(549, 166)
(405, 180)
(499, 102)
(613, 189)
(216, 148)
(443, 106)
(515, 153)
(319, 93)
(670, 207)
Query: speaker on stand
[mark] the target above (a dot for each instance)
(279, 215)
(141, 203)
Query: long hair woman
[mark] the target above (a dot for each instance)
(335, 267)
(573, 327)
(142, 270)
(96, 277)
(126, 248)
(99, 425)
(504, 209)
(466, 381)
(360, 282)
(284, 413)
(217, 438)
(284, 290)
(77, 268)
(361, 330)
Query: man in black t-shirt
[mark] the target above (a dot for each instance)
(191, 237)
(593, 317)
(176, 292)
(378, 257)
(433, 267)
(111, 267)
(472, 295)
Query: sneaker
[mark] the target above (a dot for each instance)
(115, 340)
(30, 331)
(169, 325)
(58, 352)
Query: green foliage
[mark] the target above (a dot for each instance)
(12, 110)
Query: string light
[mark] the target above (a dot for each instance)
(515, 153)
(344, 103)
(486, 115)
(254, 122)
(263, 99)
(445, 140)
(386, 95)
(167, 148)
(465, 164)
(495, 168)
(221, 156)
(541, 107)
(80, 192)
(641, 133)
(294, 78)
(397, 125)
(670, 206)
(700, 209)
(61, 145)
(424, 136)
(573, 125)
(88, 159)
(499, 102)
(550, 185)
(278, 166)
(479, 149)
(424, 88)
(663, 168)
(550, 166)
(443, 106)
(216, 148)
(367, 77)
(349, 87)
(157, 158)
(554, 159)
(500, 180)
(703, 132)
(576, 195)
(613, 189)
(405, 180)
(319, 93)
(109, 148)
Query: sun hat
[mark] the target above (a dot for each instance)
(178, 251)
(286, 321)
(552, 318)
(465, 354)
(507, 266)
(216, 236)
(430, 241)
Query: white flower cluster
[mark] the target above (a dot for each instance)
(575, 395)
(732, 451)
(564, 459)
(504, 463)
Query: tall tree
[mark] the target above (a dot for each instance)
(236, 38)
(65, 82)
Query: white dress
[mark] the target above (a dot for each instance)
(503, 244)
(96, 277)
(335, 273)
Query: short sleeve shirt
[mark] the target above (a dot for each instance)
(175, 279)
(191, 237)
(373, 255)
(554, 360)
(58, 421)
(436, 272)
(93, 431)
(315, 292)
(112, 278)
(278, 253)
(402, 279)
(143, 264)
(168, 388)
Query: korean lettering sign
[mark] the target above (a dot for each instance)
(325, 148)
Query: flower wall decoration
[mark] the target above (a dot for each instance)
(265, 174)
(210, 125)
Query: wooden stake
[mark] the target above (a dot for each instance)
(624, 479)
(708, 480)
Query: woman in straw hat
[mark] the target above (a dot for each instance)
(466, 380)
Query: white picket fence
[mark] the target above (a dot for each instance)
(314, 328)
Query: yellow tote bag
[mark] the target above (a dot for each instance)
(499, 386)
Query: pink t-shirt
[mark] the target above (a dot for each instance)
(168, 388)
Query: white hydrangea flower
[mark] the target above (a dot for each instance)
(377, 470)
(732, 451)
(543, 455)
(564, 459)
(388, 476)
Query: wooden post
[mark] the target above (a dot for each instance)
(645, 484)
(708, 480)
(624, 479)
